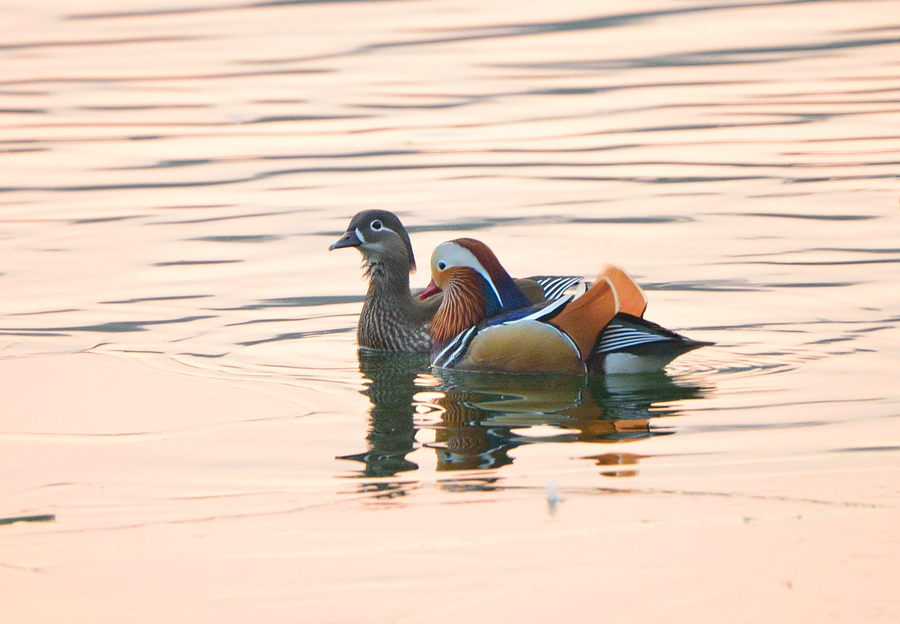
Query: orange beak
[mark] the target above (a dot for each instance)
(431, 289)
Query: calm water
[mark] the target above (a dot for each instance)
(181, 385)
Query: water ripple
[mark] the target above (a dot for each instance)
(108, 327)
(725, 56)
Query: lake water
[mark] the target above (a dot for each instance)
(186, 423)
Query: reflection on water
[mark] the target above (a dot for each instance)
(390, 385)
(612, 462)
(478, 419)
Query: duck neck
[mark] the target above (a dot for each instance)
(388, 279)
(390, 316)
(462, 307)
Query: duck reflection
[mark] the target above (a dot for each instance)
(390, 380)
(485, 416)
(479, 418)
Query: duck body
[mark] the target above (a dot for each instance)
(394, 317)
(627, 345)
(512, 346)
(600, 332)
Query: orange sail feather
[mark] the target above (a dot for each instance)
(585, 318)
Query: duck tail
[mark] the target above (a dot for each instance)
(627, 336)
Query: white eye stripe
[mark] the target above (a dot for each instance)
(377, 225)
(362, 239)
(457, 255)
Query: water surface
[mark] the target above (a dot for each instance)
(187, 423)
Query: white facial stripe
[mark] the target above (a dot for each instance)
(362, 239)
(458, 256)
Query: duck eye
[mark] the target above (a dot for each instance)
(375, 225)
(442, 265)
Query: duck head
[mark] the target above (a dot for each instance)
(381, 239)
(475, 285)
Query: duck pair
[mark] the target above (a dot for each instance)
(473, 316)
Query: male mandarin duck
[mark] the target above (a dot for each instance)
(392, 317)
(482, 323)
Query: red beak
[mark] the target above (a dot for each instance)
(431, 289)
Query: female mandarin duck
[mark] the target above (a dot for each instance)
(392, 318)
(481, 324)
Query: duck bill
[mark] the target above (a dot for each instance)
(349, 239)
(431, 289)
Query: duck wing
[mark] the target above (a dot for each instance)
(557, 286)
(630, 297)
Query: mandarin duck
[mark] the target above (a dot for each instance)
(393, 318)
(483, 324)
